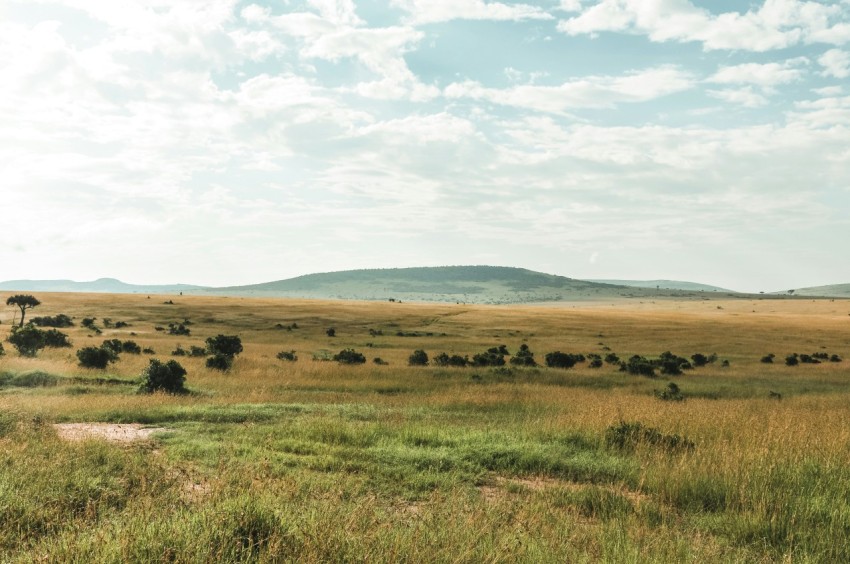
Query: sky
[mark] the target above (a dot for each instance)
(225, 142)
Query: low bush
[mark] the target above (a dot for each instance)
(380, 361)
(226, 345)
(638, 366)
(115, 345)
(349, 356)
(167, 377)
(27, 340)
(330, 332)
(523, 357)
(148, 350)
(287, 355)
(130, 347)
(671, 393)
(55, 339)
(627, 436)
(444, 359)
(792, 360)
(220, 362)
(612, 358)
(178, 329)
(768, 359)
(492, 357)
(198, 352)
(60, 321)
(179, 351)
(96, 357)
(418, 358)
(560, 359)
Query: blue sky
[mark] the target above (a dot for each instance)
(224, 142)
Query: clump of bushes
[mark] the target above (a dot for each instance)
(178, 329)
(27, 340)
(287, 355)
(196, 351)
(167, 377)
(627, 436)
(349, 356)
(130, 347)
(673, 365)
(223, 348)
(443, 359)
(96, 357)
(59, 321)
(560, 359)
(418, 358)
(148, 350)
(638, 366)
(494, 356)
(523, 357)
(612, 358)
(55, 339)
(114, 345)
(179, 351)
(671, 393)
(768, 358)
(792, 360)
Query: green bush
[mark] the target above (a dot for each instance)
(349, 356)
(638, 366)
(166, 377)
(55, 339)
(220, 362)
(560, 359)
(444, 359)
(115, 345)
(131, 347)
(198, 351)
(96, 357)
(227, 345)
(418, 358)
(672, 393)
(2, 352)
(768, 359)
(28, 340)
(287, 355)
(792, 360)
(523, 357)
(60, 321)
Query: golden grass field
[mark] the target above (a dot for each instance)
(316, 461)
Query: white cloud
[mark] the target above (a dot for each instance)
(434, 11)
(836, 63)
(765, 75)
(777, 24)
(746, 97)
(587, 92)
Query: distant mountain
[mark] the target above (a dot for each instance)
(471, 284)
(102, 285)
(830, 291)
(665, 285)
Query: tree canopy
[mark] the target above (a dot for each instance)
(24, 302)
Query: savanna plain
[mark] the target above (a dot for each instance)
(313, 460)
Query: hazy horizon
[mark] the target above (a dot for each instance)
(225, 142)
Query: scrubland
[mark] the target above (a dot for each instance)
(313, 460)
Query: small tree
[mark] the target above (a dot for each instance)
(418, 358)
(24, 302)
(227, 345)
(166, 377)
(349, 356)
(28, 340)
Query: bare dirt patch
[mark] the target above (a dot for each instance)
(112, 432)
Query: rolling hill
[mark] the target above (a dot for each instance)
(830, 291)
(665, 285)
(101, 285)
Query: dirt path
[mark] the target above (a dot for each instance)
(113, 432)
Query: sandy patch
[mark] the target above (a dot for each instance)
(112, 432)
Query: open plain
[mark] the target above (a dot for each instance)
(315, 460)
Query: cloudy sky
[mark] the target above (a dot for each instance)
(225, 142)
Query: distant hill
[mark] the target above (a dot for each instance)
(665, 285)
(830, 291)
(470, 284)
(102, 285)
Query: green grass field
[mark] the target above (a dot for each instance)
(316, 461)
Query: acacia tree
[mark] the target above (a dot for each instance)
(24, 302)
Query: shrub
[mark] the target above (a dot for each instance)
(287, 355)
(595, 363)
(612, 358)
(148, 350)
(559, 359)
(833, 358)
(2, 352)
(523, 357)
(115, 345)
(96, 357)
(673, 365)
(444, 359)
(492, 357)
(55, 339)
(130, 347)
(380, 361)
(330, 332)
(699, 359)
(672, 393)
(178, 329)
(627, 436)
(638, 366)
(418, 358)
(226, 345)
(220, 362)
(179, 351)
(28, 340)
(768, 359)
(792, 360)
(88, 322)
(60, 321)
(197, 351)
(349, 356)
(167, 377)
(121, 324)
